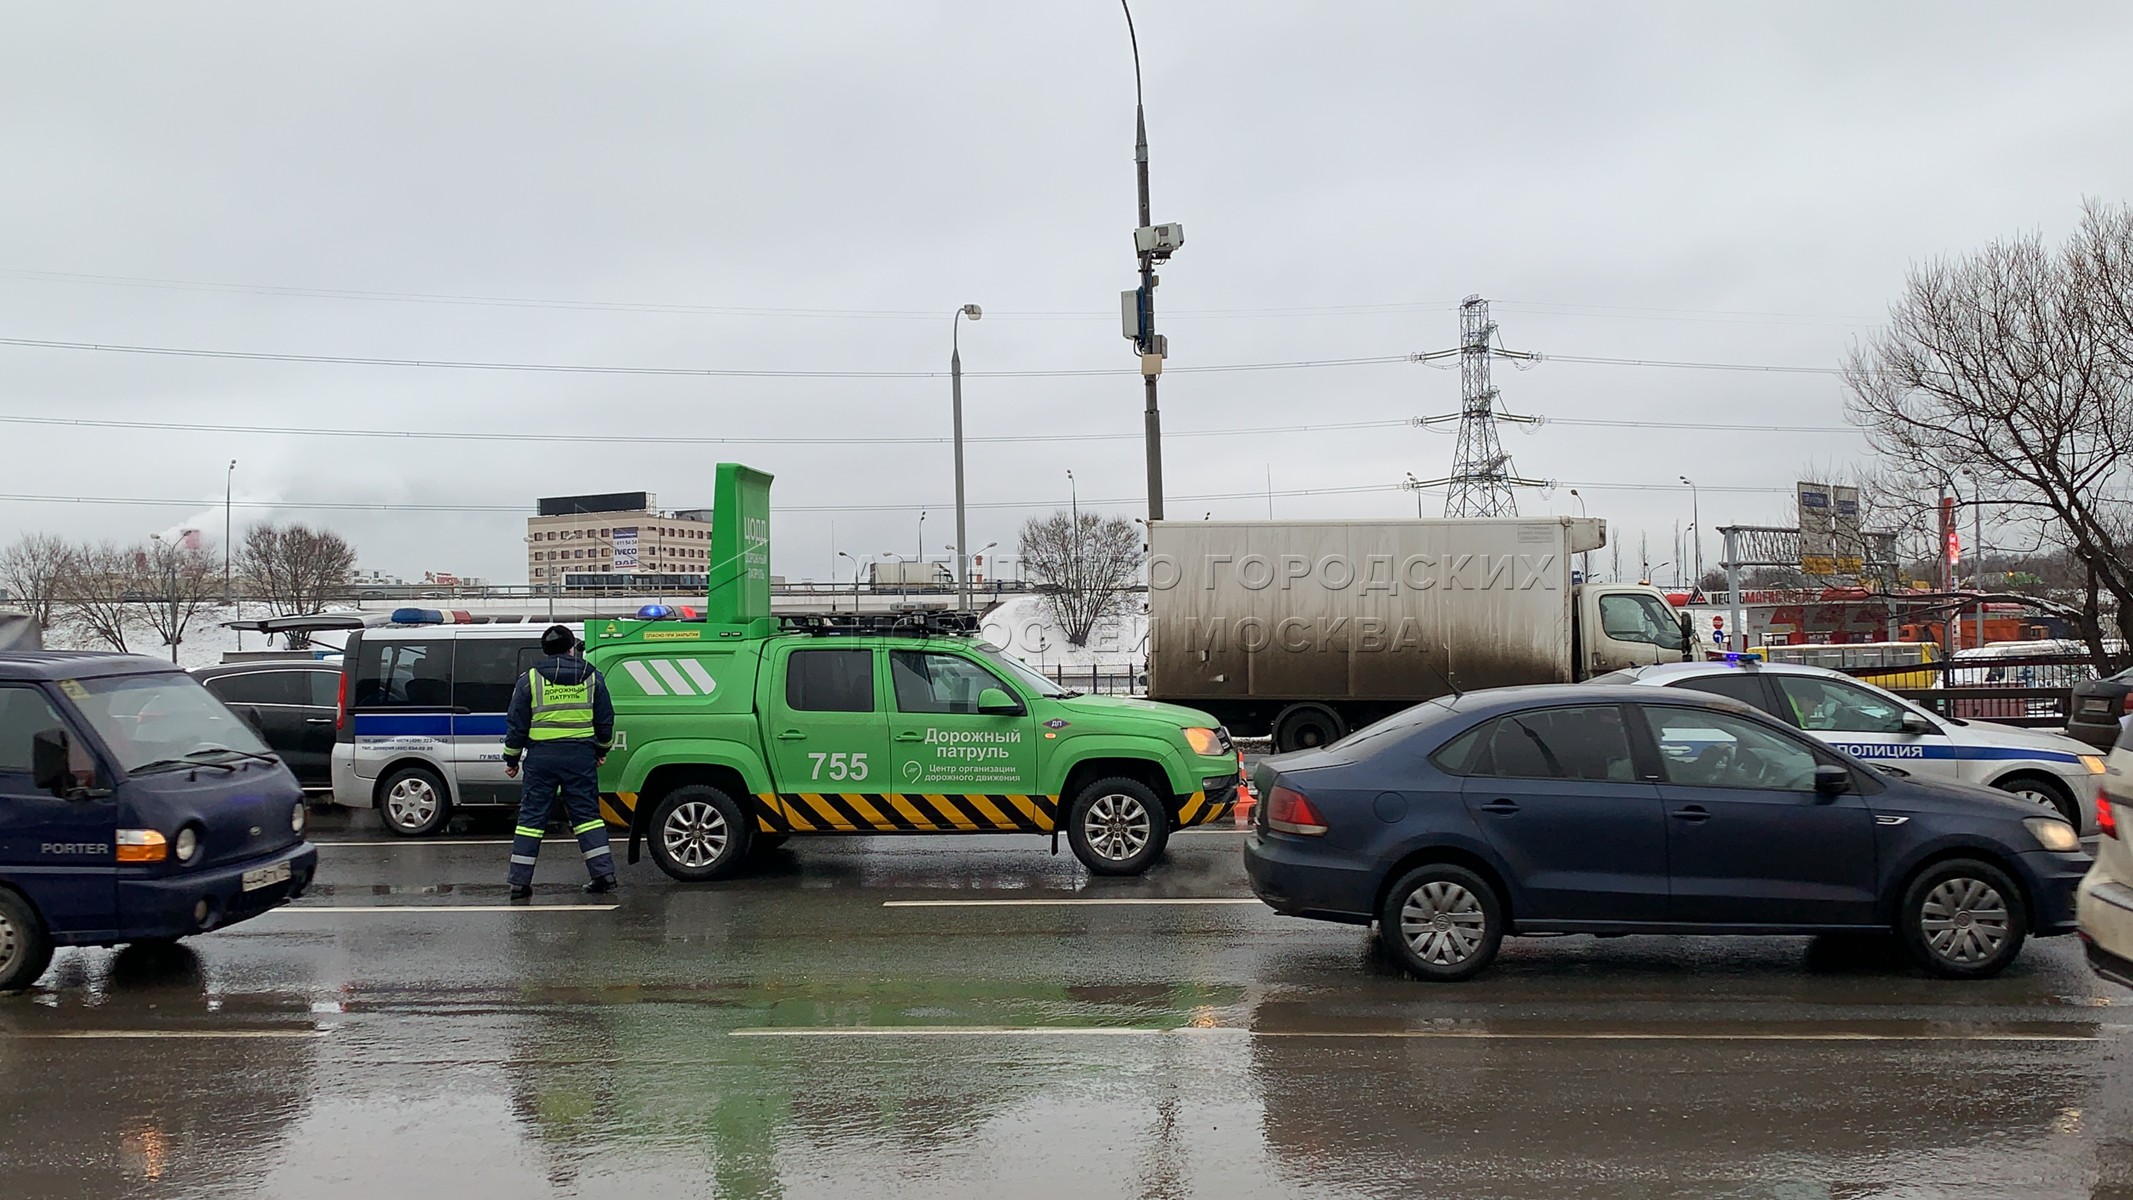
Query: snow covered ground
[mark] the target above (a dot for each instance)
(1025, 628)
(205, 639)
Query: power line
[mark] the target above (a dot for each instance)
(525, 510)
(1595, 360)
(665, 439)
(715, 372)
(856, 440)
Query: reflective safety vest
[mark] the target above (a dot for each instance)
(561, 711)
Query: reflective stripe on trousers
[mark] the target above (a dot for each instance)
(570, 769)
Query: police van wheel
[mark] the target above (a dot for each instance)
(699, 834)
(25, 948)
(1117, 826)
(412, 802)
(2045, 793)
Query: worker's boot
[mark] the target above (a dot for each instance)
(522, 891)
(601, 885)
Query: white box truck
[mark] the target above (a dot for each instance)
(1305, 630)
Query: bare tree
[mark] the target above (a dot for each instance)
(294, 569)
(31, 570)
(2013, 366)
(93, 594)
(174, 582)
(1086, 565)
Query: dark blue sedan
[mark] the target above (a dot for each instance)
(1583, 809)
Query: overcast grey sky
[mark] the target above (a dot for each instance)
(645, 182)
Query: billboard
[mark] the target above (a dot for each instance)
(1830, 539)
(598, 502)
(625, 543)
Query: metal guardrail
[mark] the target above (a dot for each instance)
(2035, 691)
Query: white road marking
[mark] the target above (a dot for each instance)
(1596, 1035)
(101, 1035)
(409, 843)
(440, 908)
(1062, 902)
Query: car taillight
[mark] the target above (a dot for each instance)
(2106, 820)
(1290, 811)
(2125, 703)
(340, 703)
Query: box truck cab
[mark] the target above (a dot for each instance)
(1305, 630)
(134, 807)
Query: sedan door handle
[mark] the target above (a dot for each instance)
(910, 735)
(1694, 812)
(1500, 807)
(791, 735)
(318, 720)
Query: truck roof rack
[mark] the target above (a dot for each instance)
(915, 622)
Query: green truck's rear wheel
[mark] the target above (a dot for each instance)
(699, 833)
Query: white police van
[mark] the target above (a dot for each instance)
(421, 727)
(1884, 729)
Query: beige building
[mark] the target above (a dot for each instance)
(616, 539)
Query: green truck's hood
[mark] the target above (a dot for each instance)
(1097, 708)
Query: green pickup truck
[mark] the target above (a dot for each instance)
(732, 739)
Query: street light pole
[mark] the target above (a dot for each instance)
(229, 479)
(1074, 515)
(1696, 530)
(955, 373)
(1151, 360)
(1585, 559)
(855, 582)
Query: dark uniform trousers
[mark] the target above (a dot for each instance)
(571, 768)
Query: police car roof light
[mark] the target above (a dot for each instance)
(417, 616)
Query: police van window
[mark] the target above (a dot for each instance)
(928, 682)
(486, 669)
(1827, 706)
(261, 687)
(24, 713)
(1557, 743)
(1741, 686)
(830, 681)
(403, 674)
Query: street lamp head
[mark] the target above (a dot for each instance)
(973, 311)
(1685, 479)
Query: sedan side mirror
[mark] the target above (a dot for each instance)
(992, 702)
(1915, 725)
(51, 762)
(1831, 782)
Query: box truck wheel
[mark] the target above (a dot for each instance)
(1307, 727)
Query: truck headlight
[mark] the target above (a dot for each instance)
(1204, 742)
(2053, 833)
(187, 845)
(297, 818)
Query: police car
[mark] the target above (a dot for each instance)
(420, 731)
(1886, 730)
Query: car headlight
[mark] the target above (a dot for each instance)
(1205, 742)
(2094, 763)
(296, 817)
(2053, 833)
(187, 845)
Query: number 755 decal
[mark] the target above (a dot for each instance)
(841, 766)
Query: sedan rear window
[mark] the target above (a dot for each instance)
(1586, 742)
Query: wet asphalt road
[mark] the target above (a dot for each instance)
(809, 1031)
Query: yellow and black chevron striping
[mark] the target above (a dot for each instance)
(912, 812)
(904, 812)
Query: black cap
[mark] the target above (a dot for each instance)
(558, 639)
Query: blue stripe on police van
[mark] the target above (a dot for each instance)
(435, 725)
(1959, 753)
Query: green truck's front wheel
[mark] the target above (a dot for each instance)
(1117, 826)
(699, 833)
